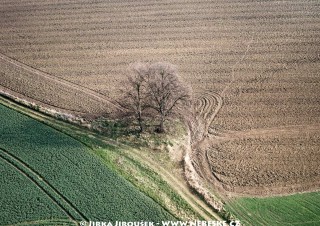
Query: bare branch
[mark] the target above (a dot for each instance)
(154, 86)
(166, 90)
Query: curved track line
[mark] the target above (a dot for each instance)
(38, 180)
(208, 104)
(199, 147)
(61, 81)
(200, 206)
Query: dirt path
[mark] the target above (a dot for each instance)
(43, 185)
(208, 104)
(179, 186)
(63, 82)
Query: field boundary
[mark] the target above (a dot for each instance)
(44, 109)
(35, 103)
(59, 80)
(191, 198)
(196, 172)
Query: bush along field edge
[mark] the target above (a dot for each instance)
(113, 153)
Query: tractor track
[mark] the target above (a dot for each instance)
(208, 104)
(61, 81)
(52, 222)
(182, 188)
(43, 185)
(207, 112)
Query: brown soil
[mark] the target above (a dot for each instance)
(261, 59)
(260, 162)
(266, 161)
(48, 90)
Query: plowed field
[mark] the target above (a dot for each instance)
(254, 65)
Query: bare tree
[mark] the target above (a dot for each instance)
(166, 91)
(154, 86)
(134, 98)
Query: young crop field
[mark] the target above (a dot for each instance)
(299, 209)
(48, 176)
(19, 205)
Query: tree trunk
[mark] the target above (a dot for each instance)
(161, 127)
(140, 122)
(140, 126)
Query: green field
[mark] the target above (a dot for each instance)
(20, 198)
(47, 176)
(299, 209)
